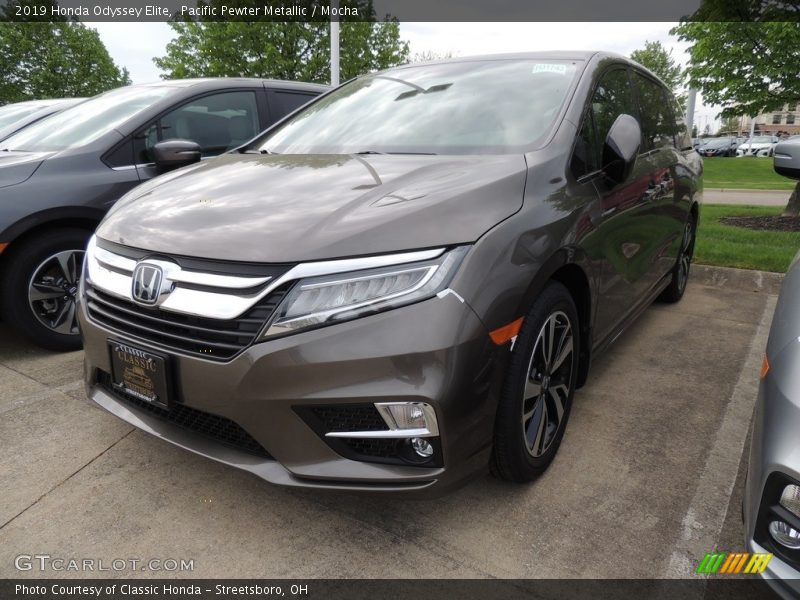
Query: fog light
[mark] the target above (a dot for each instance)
(422, 447)
(417, 416)
(790, 499)
(407, 416)
(784, 534)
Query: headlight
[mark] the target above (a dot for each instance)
(318, 301)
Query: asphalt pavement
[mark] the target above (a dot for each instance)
(644, 484)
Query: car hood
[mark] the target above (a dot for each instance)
(291, 208)
(16, 167)
(758, 145)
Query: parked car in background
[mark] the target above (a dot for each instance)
(760, 145)
(15, 117)
(786, 159)
(404, 282)
(58, 177)
(724, 146)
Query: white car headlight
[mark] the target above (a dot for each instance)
(318, 301)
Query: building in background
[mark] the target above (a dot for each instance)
(786, 120)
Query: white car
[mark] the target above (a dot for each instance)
(759, 145)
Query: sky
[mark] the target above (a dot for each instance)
(133, 45)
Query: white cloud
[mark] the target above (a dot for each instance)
(466, 39)
(134, 45)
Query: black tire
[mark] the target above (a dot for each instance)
(41, 257)
(522, 451)
(680, 272)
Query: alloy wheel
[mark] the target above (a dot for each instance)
(547, 388)
(685, 257)
(53, 290)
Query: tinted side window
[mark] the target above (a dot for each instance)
(121, 156)
(217, 122)
(285, 102)
(611, 98)
(683, 140)
(585, 156)
(655, 115)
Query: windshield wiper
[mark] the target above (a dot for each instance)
(251, 151)
(415, 153)
(376, 152)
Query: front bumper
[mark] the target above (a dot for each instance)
(436, 351)
(774, 453)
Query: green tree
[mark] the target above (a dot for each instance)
(53, 60)
(660, 61)
(730, 125)
(282, 50)
(429, 55)
(748, 68)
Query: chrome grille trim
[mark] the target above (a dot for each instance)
(177, 274)
(225, 296)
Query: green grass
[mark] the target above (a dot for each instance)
(746, 173)
(727, 246)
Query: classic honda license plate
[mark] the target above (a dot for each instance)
(139, 373)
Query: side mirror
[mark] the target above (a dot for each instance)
(620, 148)
(786, 159)
(172, 154)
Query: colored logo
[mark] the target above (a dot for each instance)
(733, 563)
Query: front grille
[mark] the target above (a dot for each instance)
(201, 336)
(353, 417)
(219, 429)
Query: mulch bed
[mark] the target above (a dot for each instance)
(777, 223)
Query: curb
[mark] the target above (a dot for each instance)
(781, 193)
(742, 279)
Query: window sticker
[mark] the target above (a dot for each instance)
(550, 68)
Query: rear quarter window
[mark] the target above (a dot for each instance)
(285, 102)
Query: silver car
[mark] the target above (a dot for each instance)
(772, 492)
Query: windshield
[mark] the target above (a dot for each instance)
(497, 106)
(761, 139)
(85, 122)
(13, 112)
(720, 143)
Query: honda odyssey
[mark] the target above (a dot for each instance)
(403, 283)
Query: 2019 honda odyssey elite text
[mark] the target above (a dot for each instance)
(404, 282)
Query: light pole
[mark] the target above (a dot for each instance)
(334, 43)
(690, 102)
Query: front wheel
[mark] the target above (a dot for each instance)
(538, 389)
(40, 286)
(680, 272)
